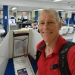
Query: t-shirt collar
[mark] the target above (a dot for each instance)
(59, 44)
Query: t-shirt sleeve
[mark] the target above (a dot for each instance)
(71, 60)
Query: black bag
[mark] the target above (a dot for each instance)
(63, 63)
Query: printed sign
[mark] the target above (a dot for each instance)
(22, 71)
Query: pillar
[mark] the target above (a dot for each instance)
(36, 15)
(5, 17)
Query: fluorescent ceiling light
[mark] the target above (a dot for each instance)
(70, 11)
(56, 0)
(38, 9)
(13, 8)
(60, 10)
(35, 10)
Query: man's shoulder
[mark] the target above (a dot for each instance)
(71, 58)
(40, 44)
(71, 50)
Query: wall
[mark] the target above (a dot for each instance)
(26, 14)
(1, 14)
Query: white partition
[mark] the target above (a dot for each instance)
(73, 38)
(4, 54)
(11, 44)
(34, 39)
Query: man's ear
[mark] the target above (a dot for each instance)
(38, 31)
(60, 25)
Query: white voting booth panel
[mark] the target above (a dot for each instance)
(4, 54)
(73, 38)
(34, 39)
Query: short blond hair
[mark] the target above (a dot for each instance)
(50, 11)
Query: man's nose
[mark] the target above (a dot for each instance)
(46, 25)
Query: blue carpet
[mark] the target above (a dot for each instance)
(34, 66)
(33, 63)
(10, 67)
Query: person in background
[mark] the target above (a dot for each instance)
(49, 25)
(33, 25)
(22, 17)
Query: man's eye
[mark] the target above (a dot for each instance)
(41, 23)
(50, 22)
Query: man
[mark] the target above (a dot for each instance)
(49, 26)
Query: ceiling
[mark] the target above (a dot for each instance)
(29, 5)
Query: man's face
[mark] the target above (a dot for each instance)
(48, 26)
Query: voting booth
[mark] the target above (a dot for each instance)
(16, 45)
(22, 65)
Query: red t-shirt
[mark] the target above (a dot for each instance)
(44, 64)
